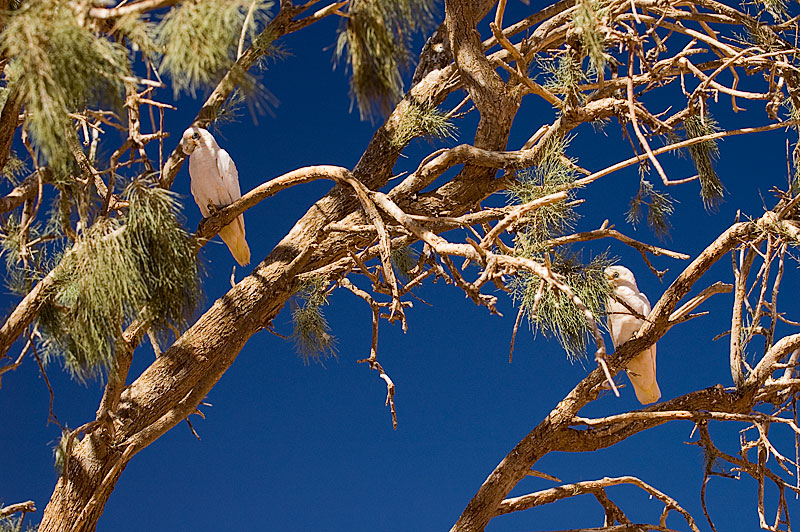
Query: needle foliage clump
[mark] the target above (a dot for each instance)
(563, 75)
(552, 172)
(20, 274)
(141, 266)
(404, 260)
(549, 310)
(586, 20)
(374, 42)
(660, 207)
(553, 313)
(13, 168)
(777, 8)
(198, 39)
(703, 154)
(419, 121)
(311, 334)
(58, 66)
(13, 523)
(140, 32)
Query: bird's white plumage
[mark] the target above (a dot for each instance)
(215, 184)
(623, 324)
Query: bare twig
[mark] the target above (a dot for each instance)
(740, 279)
(590, 486)
(24, 507)
(372, 361)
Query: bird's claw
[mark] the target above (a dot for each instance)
(606, 386)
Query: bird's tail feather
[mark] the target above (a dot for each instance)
(233, 236)
(642, 373)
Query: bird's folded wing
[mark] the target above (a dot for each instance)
(229, 175)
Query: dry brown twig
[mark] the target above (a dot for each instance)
(547, 496)
(24, 507)
(372, 361)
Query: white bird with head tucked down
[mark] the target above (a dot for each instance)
(623, 324)
(215, 184)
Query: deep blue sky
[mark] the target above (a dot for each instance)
(294, 447)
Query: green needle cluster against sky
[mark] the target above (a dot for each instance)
(294, 447)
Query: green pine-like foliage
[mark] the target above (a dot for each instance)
(555, 314)
(374, 43)
(703, 154)
(14, 168)
(563, 73)
(141, 266)
(311, 334)
(548, 310)
(777, 8)
(59, 66)
(586, 20)
(660, 207)
(404, 260)
(19, 274)
(421, 121)
(198, 39)
(549, 175)
(15, 524)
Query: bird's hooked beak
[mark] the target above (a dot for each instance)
(188, 145)
(612, 276)
(190, 141)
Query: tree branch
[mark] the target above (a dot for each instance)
(27, 506)
(26, 190)
(590, 486)
(129, 9)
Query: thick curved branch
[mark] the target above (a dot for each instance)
(9, 121)
(766, 365)
(25, 311)
(24, 191)
(590, 486)
(210, 226)
(697, 415)
(27, 506)
(167, 391)
(715, 399)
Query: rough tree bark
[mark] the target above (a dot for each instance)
(131, 417)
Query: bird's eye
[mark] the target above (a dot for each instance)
(196, 135)
(616, 274)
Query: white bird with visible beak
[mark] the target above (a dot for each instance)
(215, 184)
(624, 324)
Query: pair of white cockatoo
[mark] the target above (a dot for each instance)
(626, 310)
(215, 184)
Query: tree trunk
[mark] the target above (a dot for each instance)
(171, 388)
(83, 489)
